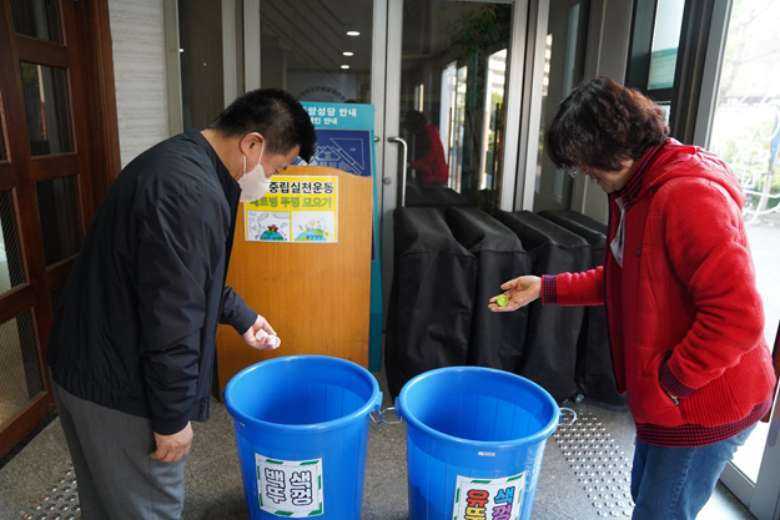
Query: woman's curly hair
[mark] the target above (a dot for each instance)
(603, 123)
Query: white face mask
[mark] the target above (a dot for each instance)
(253, 184)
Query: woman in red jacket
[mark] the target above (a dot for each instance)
(428, 158)
(685, 319)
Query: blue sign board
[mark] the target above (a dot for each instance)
(347, 150)
(340, 116)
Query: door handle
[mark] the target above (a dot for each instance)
(404, 156)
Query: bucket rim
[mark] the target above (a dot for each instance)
(372, 403)
(542, 435)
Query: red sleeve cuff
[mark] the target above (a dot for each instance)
(549, 292)
(671, 384)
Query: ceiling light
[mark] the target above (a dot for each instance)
(348, 54)
(353, 33)
(345, 67)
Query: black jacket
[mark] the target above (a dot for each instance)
(136, 325)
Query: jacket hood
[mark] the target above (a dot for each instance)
(675, 160)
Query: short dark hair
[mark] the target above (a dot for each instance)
(414, 121)
(274, 113)
(603, 123)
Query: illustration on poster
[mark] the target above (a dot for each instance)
(314, 227)
(301, 209)
(267, 226)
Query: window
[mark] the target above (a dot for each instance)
(318, 50)
(58, 204)
(447, 106)
(655, 42)
(3, 136)
(20, 374)
(564, 57)
(457, 50)
(11, 266)
(47, 104)
(495, 82)
(200, 54)
(37, 19)
(745, 133)
(666, 41)
(419, 97)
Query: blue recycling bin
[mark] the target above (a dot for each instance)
(475, 440)
(301, 428)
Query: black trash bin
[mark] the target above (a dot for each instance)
(432, 297)
(553, 331)
(595, 375)
(497, 340)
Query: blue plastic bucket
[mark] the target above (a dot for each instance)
(475, 439)
(301, 428)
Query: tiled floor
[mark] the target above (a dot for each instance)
(214, 489)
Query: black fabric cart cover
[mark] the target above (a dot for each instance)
(431, 301)
(497, 340)
(553, 331)
(446, 196)
(434, 196)
(594, 359)
(414, 195)
(591, 230)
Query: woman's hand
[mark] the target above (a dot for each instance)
(520, 292)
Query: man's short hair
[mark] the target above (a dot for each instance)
(276, 114)
(603, 123)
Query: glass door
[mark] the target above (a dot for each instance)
(452, 106)
(563, 68)
(446, 96)
(746, 134)
(331, 51)
(318, 50)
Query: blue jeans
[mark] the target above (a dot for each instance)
(675, 483)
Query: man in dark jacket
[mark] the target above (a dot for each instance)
(685, 319)
(132, 349)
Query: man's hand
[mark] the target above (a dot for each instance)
(520, 291)
(261, 335)
(172, 448)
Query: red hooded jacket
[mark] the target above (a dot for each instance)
(432, 166)
(684, 315)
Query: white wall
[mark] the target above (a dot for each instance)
(137, 31)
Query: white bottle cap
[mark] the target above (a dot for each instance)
(275, 341)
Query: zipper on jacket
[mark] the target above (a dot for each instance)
(607, 251)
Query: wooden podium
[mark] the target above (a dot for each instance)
(316, 296)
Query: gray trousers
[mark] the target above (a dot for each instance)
(117, 478)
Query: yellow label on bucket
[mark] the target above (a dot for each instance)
(489, 499)
(290, 489)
